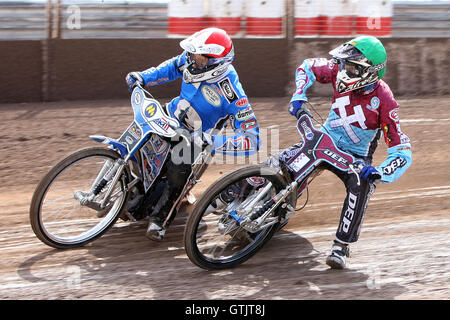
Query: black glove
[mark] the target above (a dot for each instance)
(132, 78)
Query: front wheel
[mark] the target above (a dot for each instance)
(61, 213)
(213, 237)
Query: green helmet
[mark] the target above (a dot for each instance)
(362, 62)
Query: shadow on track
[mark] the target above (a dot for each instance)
(133, 267)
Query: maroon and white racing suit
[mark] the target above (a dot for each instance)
(355, 123)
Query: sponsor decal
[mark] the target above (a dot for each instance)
(211, 96)
(162, 123)
(286, 155)
(349, 213)
(403, 149)
(331, 64)
(299, 162)
(393, 114)
(235, 145)
(394, 165)
(378, 67)
(220, 71)
(333, 155)
(135, 131)
(245, 114)
(159, 145)
(374, 103)
(249, 124)
(308, 132)
(388, 138)
(228, 90)
(129, 140)
(242, 102)
(137, 97)
(216, 88)
(404, 139)
(150, 110)
(154, 83)
(301, 80)
(131, 137)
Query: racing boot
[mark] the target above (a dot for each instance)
(339, 252)
(156, 231)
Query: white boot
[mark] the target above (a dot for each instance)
(339, 253)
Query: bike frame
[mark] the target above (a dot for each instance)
(143, 135)
(317, 147)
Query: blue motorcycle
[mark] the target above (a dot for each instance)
(85, 193)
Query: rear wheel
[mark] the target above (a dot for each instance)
(213, 237)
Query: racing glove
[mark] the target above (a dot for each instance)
(132, 78)
(296, 108)
(370, 174)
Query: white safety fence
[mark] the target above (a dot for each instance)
(40, 19)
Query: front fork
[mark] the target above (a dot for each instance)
(111, 171)
(261, 219)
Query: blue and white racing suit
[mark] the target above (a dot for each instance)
(213, 100)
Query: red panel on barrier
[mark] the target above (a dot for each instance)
(186, 26)
(264, 26)
(307, 26)
(336, 26)
(231, 25)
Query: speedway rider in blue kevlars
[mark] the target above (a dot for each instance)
(210, 94)
(363, 107)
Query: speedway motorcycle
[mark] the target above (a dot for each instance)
(85, 193)
(237, 215)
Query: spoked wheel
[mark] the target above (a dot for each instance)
(63, 212)
(214, 238)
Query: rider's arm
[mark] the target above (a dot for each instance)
(399, 147)
(169, 70)
(245, 142)
(311, 70)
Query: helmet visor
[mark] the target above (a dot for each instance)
(351, 68)
(347, 51)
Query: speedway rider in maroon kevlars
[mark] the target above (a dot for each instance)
(363, 107)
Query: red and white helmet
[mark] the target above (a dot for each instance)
(213, 43)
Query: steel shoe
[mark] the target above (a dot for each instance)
(155, 232)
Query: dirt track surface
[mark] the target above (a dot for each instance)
(403, 251)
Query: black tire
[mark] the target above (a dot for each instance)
(37, 215)
(195, 219)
